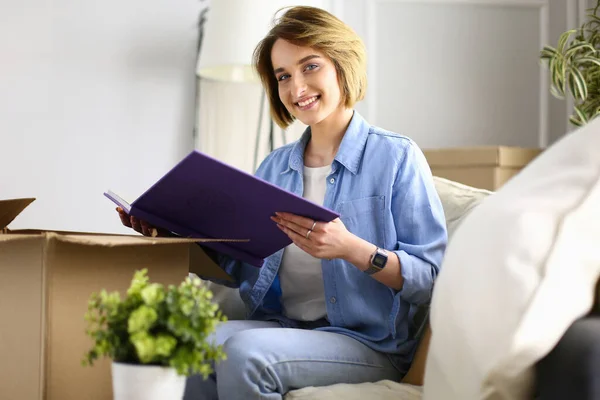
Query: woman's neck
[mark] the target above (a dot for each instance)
(326, 137)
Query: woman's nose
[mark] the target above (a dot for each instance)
(298, 86)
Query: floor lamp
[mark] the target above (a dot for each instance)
(233, 122)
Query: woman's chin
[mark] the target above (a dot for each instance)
(305, 121)
(309, 120)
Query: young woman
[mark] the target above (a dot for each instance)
(337, 305)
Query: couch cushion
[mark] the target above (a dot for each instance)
(458, 200)
(382, 390)
(520, 269)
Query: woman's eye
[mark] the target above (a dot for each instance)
(283, 77)
(311, 67)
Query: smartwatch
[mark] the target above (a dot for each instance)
(378, 261)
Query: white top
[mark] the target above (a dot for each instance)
(300, 274)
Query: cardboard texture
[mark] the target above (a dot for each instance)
(482, 167)
(46, 279)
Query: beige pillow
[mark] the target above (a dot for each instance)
(458, 200)
(382, 390)
(520, 269)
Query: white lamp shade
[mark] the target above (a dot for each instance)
(232, 30)
(230, 95)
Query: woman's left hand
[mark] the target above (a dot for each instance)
(319, 239)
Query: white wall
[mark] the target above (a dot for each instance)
(97, 95)
(93, 95)
(462, 72)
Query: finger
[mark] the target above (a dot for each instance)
(145, 228)
(124, 217)
(135, 224)
(302, 243)
(296, 219)
(315, 225)
(298, 239)
(303, 248)
(148, 229)
(300, 230)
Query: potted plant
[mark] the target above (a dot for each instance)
(575, 67)
(155, 336)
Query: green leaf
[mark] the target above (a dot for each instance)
(556, 93)
(145, 346)
(556, 72)
(584, 60)
(548, 51)
(139, 282)
(581, 118)
(581, 93)
(563, 39)
(141, 319)
(153, 294)
(573, 87)
(578, 47)
(575, 121)
(593, 17)
(165, 344)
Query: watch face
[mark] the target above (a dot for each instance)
(379, 260)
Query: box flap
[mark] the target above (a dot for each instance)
(502, 156)
(9, 209)
(10, 236)
(107, 240)
(129, 240)
(516, 156)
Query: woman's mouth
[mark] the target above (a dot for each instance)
(307, 103)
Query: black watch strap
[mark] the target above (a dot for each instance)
(372, 270)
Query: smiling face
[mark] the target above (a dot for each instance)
(307, 82)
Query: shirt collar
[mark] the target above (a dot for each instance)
(350, 151)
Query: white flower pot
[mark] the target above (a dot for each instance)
(146, 382)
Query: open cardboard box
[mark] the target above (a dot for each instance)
(46, 279)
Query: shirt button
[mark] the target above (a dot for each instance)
(332, 180)
(332, 300)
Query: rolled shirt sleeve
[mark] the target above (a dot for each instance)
(420, 225)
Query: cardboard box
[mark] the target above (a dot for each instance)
(46, 279)
(482, 167)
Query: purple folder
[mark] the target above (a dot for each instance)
(202, 197)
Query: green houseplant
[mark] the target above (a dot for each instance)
(154, 330)
(575, 68)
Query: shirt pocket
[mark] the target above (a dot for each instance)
(365, 218)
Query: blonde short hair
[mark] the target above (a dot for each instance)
(320, 30)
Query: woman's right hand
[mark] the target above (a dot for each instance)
(141, 226)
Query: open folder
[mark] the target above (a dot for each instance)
(202, 197)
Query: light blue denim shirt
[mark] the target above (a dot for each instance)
(381, 185)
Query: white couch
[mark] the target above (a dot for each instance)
(458, 200)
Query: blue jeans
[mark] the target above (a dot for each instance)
(265, 361)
